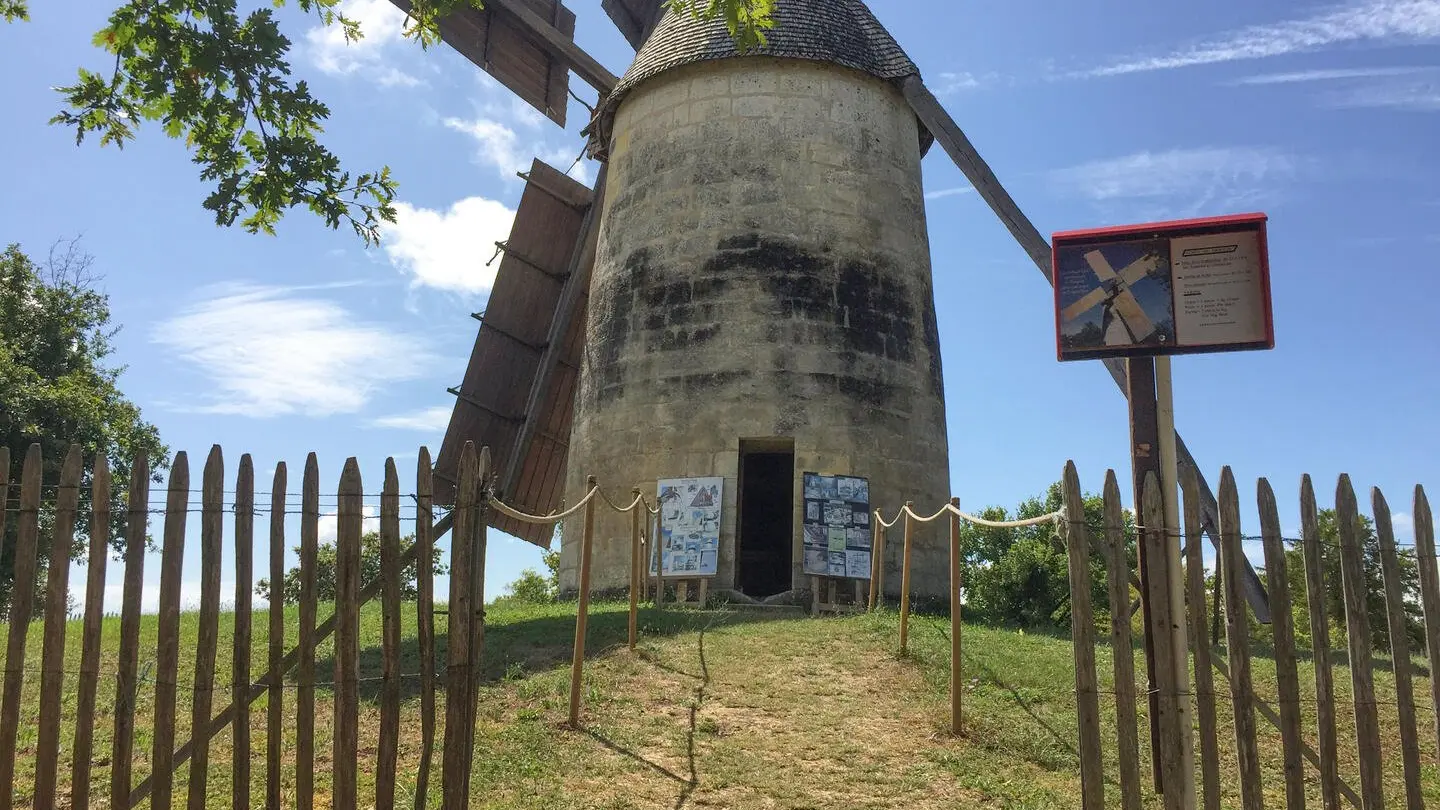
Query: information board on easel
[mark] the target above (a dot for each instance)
(837, 539)
(688, 546)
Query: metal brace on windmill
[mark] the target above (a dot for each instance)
(749, 278)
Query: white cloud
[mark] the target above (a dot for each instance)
(1403, 525)
(956, 82)
(499, 146)
(1404, 21)
(941, 194)
(114, 596)
(447, 250)
(1413, 95)
(1332, 75)
(268, 351)
(1222, 177)
(381, 23)
(426, 419)
(509, 134)
(329, 526)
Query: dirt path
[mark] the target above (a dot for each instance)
(763, 716)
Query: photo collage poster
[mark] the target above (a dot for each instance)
(689, 527)
(837, 526)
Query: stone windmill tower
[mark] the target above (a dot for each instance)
(745, 294)
(761, 302)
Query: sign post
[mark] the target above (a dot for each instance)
(1144, 293)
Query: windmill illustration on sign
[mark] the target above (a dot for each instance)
(1124, 320)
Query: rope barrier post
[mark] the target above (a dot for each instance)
(581, 615)
(874, 567)
(879, 588)
(956, 677)
(634, 565)
(905, 581)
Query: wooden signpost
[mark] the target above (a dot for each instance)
(1144, 293)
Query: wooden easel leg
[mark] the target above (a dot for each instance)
(814, 596)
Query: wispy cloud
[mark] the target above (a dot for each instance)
(940, 194)
(271, 351)
(428, 420)
(381, 23)
(1403, 21)
(1338, 74)
(1408, 88)
(448, 250)
(1409, 95)
(1182, 179)
(1206, 175)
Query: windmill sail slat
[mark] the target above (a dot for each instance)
(490, 410)
(1133, 314)
(1139, 269)
(1090, 300)
(500, 46)
(1100, 265)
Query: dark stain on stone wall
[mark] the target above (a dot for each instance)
(856, 308)
(932, 343)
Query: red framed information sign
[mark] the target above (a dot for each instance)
(1182, 287)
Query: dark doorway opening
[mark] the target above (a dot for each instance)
(767, 518)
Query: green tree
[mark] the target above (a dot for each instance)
(531, 588)
(1374, 587)
(369, 571)
(57, 389)
(1021, 576)
(220, 79)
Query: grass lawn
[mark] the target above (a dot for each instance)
(722, 709)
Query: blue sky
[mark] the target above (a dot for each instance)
(1323, 115)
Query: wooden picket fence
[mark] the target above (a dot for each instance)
(1310, 760)
(287, 670)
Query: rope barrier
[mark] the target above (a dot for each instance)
(1050, 517)
(1009, 524)
(911, 512)
(639, 499)
(556, 518)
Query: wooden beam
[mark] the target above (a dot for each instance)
(475, 403)
(561, 46)
(952, 139)
(504, 247)
(516, 339)
(582, 258)
(566, 193)
(1145, 462)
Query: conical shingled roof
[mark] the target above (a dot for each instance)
(842, 32)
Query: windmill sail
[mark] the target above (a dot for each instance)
(491, 401)
(500, 46)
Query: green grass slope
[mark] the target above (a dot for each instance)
(716, 709)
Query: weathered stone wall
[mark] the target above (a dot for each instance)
(763, 271)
